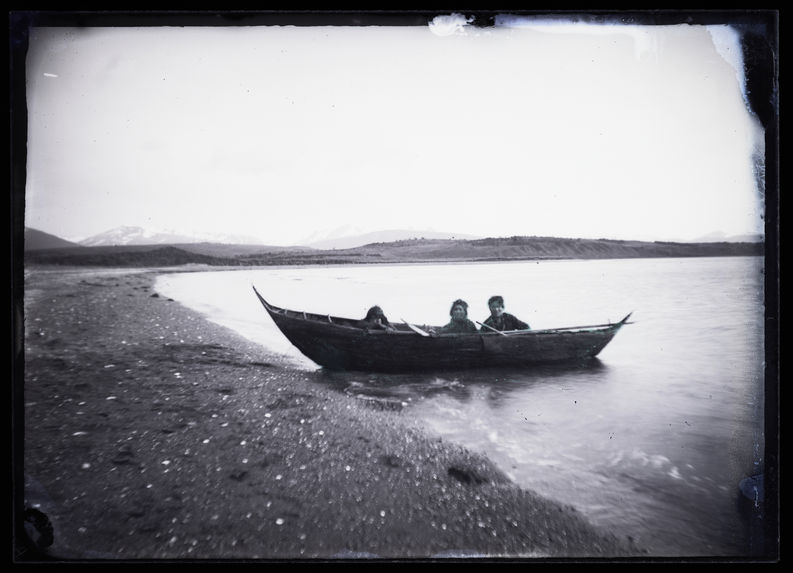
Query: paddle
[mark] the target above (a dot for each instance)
(416, 329)
(490, 327)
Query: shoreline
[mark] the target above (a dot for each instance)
(53, 261)
(152, 433)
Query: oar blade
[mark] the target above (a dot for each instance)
(491, 328)
(416, 329)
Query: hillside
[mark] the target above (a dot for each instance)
(388, 236)
(516, 248)
(137, 256)
(409, 251)
(35, 239)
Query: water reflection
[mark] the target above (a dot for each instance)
(495, 384)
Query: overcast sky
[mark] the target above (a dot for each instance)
(283, 133)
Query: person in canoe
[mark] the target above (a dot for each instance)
(375, 320)
(459, 322)
(500, 320)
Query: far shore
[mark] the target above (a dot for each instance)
(152, 433)
(205, 267)
(413, 251)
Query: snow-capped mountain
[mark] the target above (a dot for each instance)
(129, 235)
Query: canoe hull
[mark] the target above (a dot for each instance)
(335, 343)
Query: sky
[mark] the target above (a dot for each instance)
(281, 133)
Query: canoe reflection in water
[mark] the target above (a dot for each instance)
(340, 344)
(394, 391)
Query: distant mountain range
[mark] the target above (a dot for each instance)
(43, 248)
(128, 235)
(131, 235)
(336, 239)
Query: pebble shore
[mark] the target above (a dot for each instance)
(151, 433)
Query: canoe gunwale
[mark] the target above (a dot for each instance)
(340, 343)
(351, 324)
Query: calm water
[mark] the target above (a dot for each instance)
(650, 441)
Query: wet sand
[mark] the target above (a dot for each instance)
(152, 433)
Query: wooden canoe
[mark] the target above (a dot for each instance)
(338, 343)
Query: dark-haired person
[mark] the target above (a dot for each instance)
(500, 320)
(459, 323)
(375, 320)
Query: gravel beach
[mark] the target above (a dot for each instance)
(151, 433)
